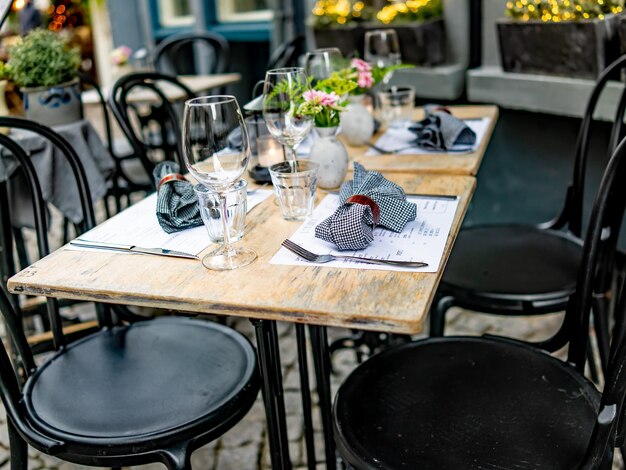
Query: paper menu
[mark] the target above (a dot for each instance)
(138, 225)
(401, 138)
(423, 239)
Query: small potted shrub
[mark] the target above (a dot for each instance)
(418, 23)
(45, 68)
(568, 38)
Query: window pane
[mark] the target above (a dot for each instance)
(175, 13)
(243, 10)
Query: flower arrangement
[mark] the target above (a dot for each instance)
(364, 75)
(562, 10)
(327, 13)
(120, 55)
(323, 106)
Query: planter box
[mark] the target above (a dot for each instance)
(53, 106)
(420, 43)
(575, 49)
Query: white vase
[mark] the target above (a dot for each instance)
(332, 157)
(4, 108)
(357, 124)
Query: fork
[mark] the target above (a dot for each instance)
(383, 151)
(315, 258)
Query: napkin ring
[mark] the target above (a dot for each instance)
(170, 177)
(366, 201)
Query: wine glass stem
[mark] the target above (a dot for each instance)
(291, 157)
(228, 250)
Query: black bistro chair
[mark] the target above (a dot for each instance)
(152, 127)
(175, 55)
(128, 394)
(488, 402)
(525, 269)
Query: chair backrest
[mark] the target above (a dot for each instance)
(287, 54)
(39, 205)
(149, 119)
(572, 213)
(177, 54)
(87, 82)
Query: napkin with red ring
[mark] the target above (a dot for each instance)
(177, 205)
(367, 201)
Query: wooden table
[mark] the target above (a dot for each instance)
(366, 299)
(459, 164)
(196, 83)
(385, 301)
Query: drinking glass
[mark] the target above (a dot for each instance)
(382, 48)
(396, 104)
(208, 124)
(282, 95)
(321, 63)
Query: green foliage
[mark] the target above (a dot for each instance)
(43, 58)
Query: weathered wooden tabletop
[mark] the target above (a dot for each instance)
(448, 163)
(366, 299)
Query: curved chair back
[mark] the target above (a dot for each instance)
(148, 117)
(287, 53)
(572, 213)
(177, 54)
(39, 205)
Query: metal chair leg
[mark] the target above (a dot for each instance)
(19, 449)
(438, 315)
(601, 325)
(305, 390)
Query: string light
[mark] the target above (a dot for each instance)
(562, 10)
(329, 12)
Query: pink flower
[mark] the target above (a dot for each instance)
(361, 65)
(321, 98)
(365, 80)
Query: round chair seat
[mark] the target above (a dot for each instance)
(512, 263)
(464, 403)
(144, 380)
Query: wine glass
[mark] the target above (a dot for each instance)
(282, 96)
(321, 63)
(382, 48)
(208, 125)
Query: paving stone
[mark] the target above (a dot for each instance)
(295, 427)
(293, 403)
(285, 329)
(242, 458)
(291, 380)
(150, 466)
(205, 457)
(288, 351)
(246, 432)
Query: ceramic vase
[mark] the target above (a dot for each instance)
(332, 157)
(53, 106)
(4, 108)
(357, 124)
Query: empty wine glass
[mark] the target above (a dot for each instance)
(282, 95)
(321, 63)
(382, 48)
(209, 123)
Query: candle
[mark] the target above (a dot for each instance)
(269, 150)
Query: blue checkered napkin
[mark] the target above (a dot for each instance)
(440, 130)
(352, 224)
(177, 204)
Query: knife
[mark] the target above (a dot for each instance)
(131, 248)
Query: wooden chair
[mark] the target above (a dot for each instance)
(151, 391)
(528, 270)
(478, 403)
(177, 54)
(151, 127)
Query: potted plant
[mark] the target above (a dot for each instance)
(569, 38)
(45, 68)
(418, 23)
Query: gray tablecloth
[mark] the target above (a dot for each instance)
(55, 174)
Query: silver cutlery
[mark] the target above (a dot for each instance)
(383, 151)
(315, 258)
(131, 248)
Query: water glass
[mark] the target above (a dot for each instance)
(236, 202)
(396, 106)
(294, 185)
(382, 48)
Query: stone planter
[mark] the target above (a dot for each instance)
(575, 49)
(420, 43)
(55, 105)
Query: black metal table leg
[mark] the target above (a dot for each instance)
(272, 388)
(321, 359)
(305, 391)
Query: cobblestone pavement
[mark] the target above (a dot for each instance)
(245, 446)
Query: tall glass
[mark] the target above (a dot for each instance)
(208, 124)
(382, 48)
(282, 96)
(321, 63)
